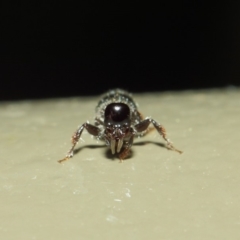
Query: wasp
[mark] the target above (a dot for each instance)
(117, 122)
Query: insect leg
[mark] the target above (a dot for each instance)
(93, 130)
(143, 125)
(127, 147)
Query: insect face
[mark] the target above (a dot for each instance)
(117, 122)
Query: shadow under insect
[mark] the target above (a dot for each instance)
(108, 154)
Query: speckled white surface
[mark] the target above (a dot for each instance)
(156, 194)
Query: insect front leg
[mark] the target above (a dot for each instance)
(143, 125)
(93, 130)
(127, 146)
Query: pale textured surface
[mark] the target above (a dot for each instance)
(156, 194)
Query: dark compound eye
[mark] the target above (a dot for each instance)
(117, 112)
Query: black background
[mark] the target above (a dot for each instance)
(57, 50)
